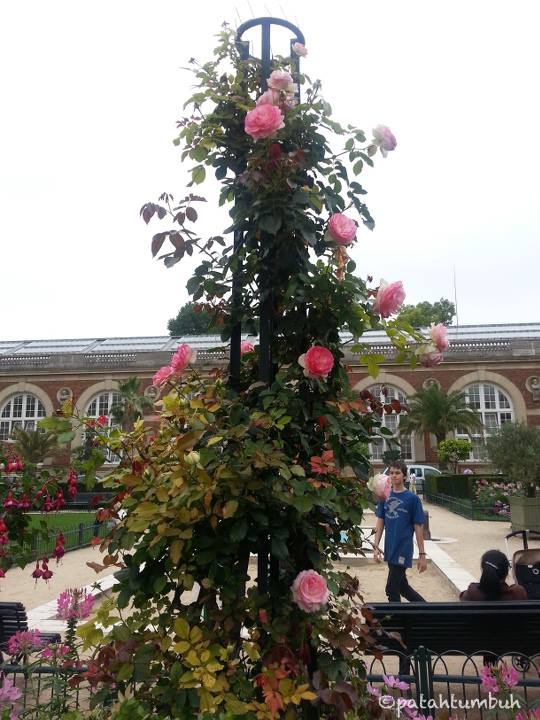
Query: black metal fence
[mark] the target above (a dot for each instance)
(75, 538)
(451, 682)
(465, 508)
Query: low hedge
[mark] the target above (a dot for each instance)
(457, 486)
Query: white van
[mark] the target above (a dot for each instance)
(420, 472)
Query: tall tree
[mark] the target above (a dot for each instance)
(192, 321)
(437, 412)
(425, 313)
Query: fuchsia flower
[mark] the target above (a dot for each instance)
(263, 121)
(24, 642)
(341, 229)
(281, 80)
(310, 591)
(389, 299)
(299, 49)
(384, 138)
(317, 362)
(74, 604)
(183, 356)
(246, 347)
(438, 334)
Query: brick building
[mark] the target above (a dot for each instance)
(497, 366)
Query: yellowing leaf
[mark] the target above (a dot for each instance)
(162, 494)
(181, 628)
(196, 634)
(230, 508)
(181, 647)
(214, 440)
(176, 551)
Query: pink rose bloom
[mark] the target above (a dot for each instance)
(270, 97)
(384, 138)
(317, 362)
(430, 356)
(341, 229)
(162, 375)
(390, 297)
(310, 591)
(281, 80)
(246, 347)
(183, 356)
(299, 49)
(73, 604)
(380, 486)
(263, 121)
(438, 336)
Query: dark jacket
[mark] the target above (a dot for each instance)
(508, 592)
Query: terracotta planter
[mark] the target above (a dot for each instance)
(525, 512)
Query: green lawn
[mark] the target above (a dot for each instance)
(67, 523)
(62, 521)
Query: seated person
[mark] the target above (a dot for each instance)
(492, 585)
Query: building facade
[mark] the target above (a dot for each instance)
(496, 366)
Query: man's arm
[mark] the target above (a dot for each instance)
(419, 533)
(379, 527)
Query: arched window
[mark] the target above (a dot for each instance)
(390, 421)
(101, 405)
(495, 409)
(20, 411)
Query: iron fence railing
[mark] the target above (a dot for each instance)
(75, 538)
(465, 507)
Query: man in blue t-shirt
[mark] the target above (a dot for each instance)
(400, 516)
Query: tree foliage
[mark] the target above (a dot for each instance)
(454, 451)
(514, 450)
(423, 314)
(34, 446)
(192, 319)
(435, 411)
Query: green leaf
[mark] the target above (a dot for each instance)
(65, 437)
(278, 548)
(239, 530)
(199, 153)
(125, 672)
(198, 174)
(270, 223)
(357, 167)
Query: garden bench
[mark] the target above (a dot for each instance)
(472, 628)
(13, 618)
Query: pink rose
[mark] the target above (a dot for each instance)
(341, 229)
(183, 356)
(263, 121)
(281, 80)
(246, 347)
(390, 297)
(380, 486)
(299, 49)
(270, 97)
(317, 362)
(162, 375)
(438, 336)
(310, 591)
(430, 356)
(384, 138)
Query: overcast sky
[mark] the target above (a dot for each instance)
(91, 92)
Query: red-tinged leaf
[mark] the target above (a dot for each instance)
(191, 214)
(157, 242)
(96, 541)
(177, 240)
(179, 218)
(388, 408)
(161, 211)
(396, 405)
(96, 566)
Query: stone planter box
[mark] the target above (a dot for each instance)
(525, 513)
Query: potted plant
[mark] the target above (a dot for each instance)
(515, 451)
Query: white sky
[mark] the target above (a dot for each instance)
(91, 92)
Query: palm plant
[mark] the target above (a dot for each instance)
(33, 446)
(132, 404)
(434, 411)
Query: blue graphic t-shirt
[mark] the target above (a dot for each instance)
(401, 512)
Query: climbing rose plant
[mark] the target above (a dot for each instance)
(239, 467)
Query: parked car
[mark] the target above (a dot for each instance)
(420, 472)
